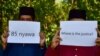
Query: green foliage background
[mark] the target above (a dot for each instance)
(48, 12)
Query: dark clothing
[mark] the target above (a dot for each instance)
(24, 50)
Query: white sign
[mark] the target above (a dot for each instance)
(24, 32)
(78, 33)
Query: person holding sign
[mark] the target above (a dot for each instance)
(24, 49)
(55, 49)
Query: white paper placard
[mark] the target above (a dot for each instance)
(24, 32)
(78, 33)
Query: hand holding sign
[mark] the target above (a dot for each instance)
(4, 37)
(56, 39)
(42, 39)
(98, 39)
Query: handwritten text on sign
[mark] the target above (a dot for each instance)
(24, 32)
(78, 33)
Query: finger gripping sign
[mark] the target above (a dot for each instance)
(78, 33)
(24, 32)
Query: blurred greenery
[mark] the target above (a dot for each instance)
(48, 12)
